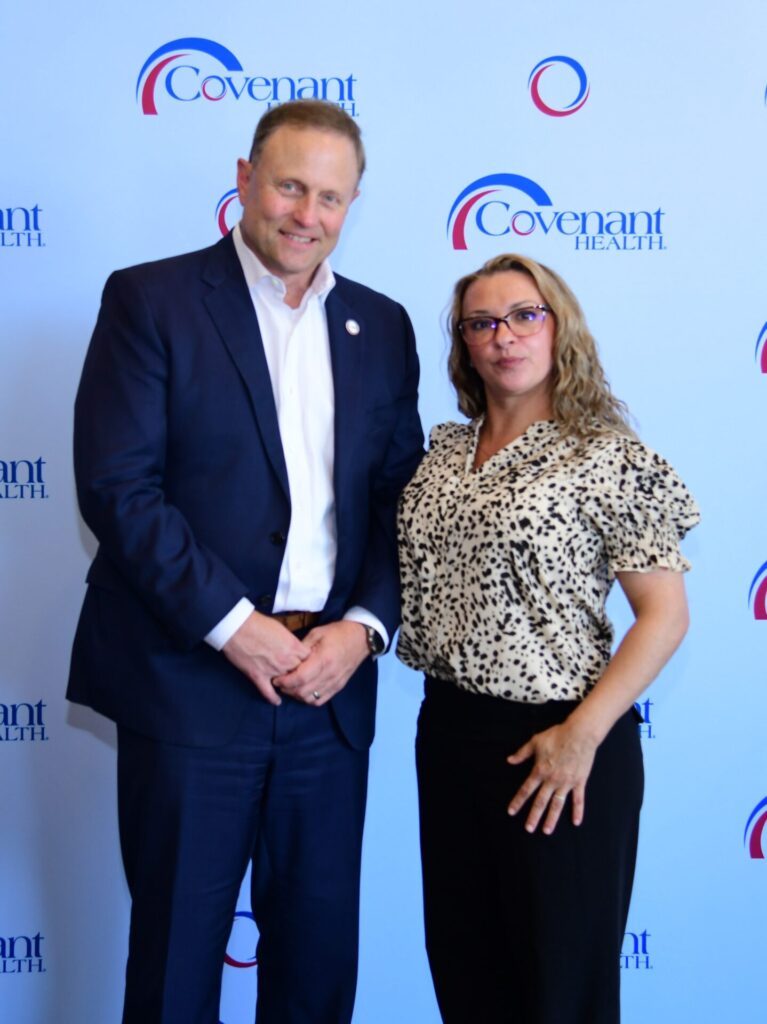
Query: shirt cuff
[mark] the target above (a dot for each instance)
(358, 614)
(230, 623)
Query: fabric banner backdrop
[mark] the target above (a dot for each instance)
(625, 147)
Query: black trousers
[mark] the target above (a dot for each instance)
(520, 928)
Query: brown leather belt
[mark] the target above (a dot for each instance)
(297, 620)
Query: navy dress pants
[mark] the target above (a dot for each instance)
(287, 794)
(521, 928)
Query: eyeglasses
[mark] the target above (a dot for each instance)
(478, 330)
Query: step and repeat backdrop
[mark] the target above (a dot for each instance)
(623, 146)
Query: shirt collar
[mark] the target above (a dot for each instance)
(256, 273)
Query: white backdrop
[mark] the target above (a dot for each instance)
(537, 127)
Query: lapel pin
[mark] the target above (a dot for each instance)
(352, 327)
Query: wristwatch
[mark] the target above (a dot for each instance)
(376, 643)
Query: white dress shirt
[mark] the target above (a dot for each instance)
(297, 348)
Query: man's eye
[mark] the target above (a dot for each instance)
(288, 186)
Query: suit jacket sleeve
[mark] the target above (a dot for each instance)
(120, 439)
(378, 587)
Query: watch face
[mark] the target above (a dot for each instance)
(375, 641)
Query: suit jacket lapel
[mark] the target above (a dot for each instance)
(346, 360)
(231, 309)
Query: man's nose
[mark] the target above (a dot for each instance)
(305, 210)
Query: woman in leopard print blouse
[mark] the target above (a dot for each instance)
(529, 765)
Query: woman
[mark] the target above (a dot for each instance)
(529, 763)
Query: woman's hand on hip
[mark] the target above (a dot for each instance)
(563, 756)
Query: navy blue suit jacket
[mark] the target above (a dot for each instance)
(182, 479)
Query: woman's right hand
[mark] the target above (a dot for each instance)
(563, 756)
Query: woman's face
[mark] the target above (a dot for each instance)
(514, 369)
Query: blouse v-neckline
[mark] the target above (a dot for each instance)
(530, 443)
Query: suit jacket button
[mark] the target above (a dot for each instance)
(265, 601)
(278, 537)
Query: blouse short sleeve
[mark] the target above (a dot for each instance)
(640, 507)
(442, 434)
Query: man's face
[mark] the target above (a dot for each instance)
(295, 198)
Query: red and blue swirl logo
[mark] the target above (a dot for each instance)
(224, 218)
(558, 63)
(479, 189)
(760, 353)
(757, 593)
(159, 64)
(753, 837)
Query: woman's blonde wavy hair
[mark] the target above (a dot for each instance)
(582, 402)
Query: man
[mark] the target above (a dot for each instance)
(244, 424)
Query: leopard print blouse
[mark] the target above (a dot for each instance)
(506, 569)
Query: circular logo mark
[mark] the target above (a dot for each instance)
(760, 354)
(222, 210)
(569, 65)
(753, 836)
(240, 959)
(757, 593)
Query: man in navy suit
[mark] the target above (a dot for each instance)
(244, 424)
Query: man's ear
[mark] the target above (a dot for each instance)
(244, 174)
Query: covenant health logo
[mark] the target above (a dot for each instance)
(225, 218)
(757, 593)
(564, 67)
(474, 214)
(213, 73)
(20, 227)
(646, 725)
(760, 353)
(22, 723)
(634, 953)
(753, 837)
(22, 479)
(21, 954)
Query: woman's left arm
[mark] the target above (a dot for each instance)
(565, 753)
